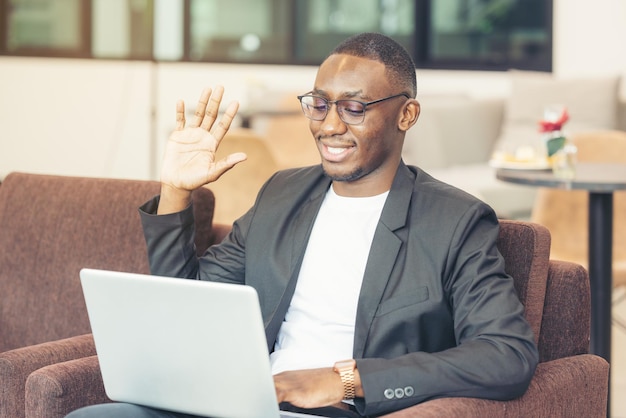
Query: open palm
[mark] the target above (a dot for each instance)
(189, 161)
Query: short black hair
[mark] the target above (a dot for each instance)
(386, 50)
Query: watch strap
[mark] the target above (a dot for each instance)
(346, 368)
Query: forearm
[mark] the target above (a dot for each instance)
(169, 240)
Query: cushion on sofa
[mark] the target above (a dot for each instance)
(592, 104)
(510, 201)
(453, 130)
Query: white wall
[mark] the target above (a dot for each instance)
(589, 37)
(74, 117)
(94, 118)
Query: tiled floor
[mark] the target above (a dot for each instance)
(618, 355)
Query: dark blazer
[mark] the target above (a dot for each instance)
(437, 315)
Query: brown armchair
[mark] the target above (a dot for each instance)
(51, 227)
(568, 382)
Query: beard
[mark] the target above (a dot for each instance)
(356, 174)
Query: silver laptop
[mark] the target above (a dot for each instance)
(182, 345)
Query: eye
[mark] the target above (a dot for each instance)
(320, 104)
(352, 107)
(316, 103)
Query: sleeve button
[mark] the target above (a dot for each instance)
(388, 393)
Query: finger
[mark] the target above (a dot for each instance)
(234, 158)
(227, 163)
(213, 108)
(219, 130)
(180, 115)
(201, 108)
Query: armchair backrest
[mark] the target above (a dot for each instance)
(555, 294)
(525, 247)
(50, 228)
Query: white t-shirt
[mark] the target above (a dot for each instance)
(318, 329)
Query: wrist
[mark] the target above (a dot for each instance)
(173, 199)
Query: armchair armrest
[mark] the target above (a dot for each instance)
(56, 390)
(554, 391)
(17, 364)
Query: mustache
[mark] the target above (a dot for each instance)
(335, 141)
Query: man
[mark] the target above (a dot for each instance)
(378, 284)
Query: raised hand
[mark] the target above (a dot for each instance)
(189, 161)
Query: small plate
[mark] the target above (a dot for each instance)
(520, 165)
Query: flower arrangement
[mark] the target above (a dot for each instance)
(560, 153)
(552, 127)
(554, 119)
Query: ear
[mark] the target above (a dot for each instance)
(410, 114)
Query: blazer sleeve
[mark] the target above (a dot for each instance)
(172, 251)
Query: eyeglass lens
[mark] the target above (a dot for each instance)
(316, 108)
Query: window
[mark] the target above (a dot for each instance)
(48, 28)
(240, 30)
(122, 29)
(451, 34)
(322, 24)
(489, 34)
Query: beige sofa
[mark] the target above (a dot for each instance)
(453, 141)
(456, 135)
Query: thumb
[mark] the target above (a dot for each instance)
(227, 163)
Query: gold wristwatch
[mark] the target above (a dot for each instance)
(346, 368)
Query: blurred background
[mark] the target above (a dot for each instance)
(88, 87)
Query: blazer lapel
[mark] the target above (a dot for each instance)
(299, 238)
(383, 254)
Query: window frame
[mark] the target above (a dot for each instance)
(419, 49)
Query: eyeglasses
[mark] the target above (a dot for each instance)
(351, 112)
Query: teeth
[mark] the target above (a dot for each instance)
(335, 150)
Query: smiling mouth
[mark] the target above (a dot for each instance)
(335, 150)
(335, 154)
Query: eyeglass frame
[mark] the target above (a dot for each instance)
(329, 104)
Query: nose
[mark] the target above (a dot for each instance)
(332, 123)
